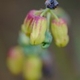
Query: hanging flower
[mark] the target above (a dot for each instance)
(60, 32)
(32, 68)
(34, 27)
(15, 60)
(38, 31)
(26, 27)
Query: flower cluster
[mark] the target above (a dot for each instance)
(18, 63)
(31, 66)
(36, 33)
(38, 23)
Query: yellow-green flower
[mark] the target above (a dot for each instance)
(27, 27)
(15, 60)
(38, 31)
(60, 32)
(32, 68)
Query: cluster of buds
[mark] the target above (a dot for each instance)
(36, 33)
(32, 67)
(38, 23)
(29, 66)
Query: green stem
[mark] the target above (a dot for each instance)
(48, 20)
(54, 15)
(39, 12)
(44, 12)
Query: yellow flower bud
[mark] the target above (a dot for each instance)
(32, 68)
(38, 32)
(26, 27)
(60, 32)
(15, 60)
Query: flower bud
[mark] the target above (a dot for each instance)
(60, 32)
(32, 68)
(38, 32)
(26, 27)
(15, 60)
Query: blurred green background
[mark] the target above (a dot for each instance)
(66, 60)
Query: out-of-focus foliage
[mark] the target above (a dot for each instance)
(15, 60)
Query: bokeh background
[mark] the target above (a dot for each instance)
(66, 60)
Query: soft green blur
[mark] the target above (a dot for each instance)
(66, 61)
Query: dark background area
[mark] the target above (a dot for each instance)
(67, 60)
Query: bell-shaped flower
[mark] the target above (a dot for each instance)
(32, 68)
(60, 32)
(15, 60)
(38, 31)
(26, 27)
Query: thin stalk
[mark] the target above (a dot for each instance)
(44, 12)
(54, 15)
(39, 12)
(48, 20)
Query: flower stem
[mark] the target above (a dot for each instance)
(54, 15)
(39, 12)
(44, 12)
(48, 20)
